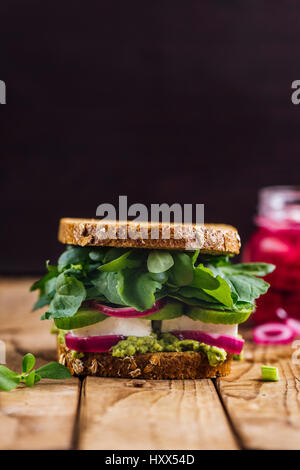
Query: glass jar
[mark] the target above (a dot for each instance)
(277, 241)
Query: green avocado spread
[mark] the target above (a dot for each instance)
(166, 343)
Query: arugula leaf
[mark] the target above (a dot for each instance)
(159, 261)
(8, 379)
(137, 289)
(70, 293)
(54, 370)
(182, 273)
(28, 362)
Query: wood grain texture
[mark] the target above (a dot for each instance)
(126, 414)
(159, 414)
(41, 417)
(265, 415)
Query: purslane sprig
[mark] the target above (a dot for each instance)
(29, 376)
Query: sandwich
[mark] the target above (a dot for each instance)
(138, 307)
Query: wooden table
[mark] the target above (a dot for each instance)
(236, 412)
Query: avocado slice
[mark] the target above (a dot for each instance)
(169, 311)
(225, 317)
(83, 317)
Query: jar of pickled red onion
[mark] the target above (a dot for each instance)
(277, 240)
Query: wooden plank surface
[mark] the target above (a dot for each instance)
(239, 411)
(41, 417)
(162, 414)
(265, 415)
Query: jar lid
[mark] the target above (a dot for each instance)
(280, 203)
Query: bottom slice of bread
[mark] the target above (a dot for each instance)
(165, 365)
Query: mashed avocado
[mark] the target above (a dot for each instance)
(166, 343)
(60, 334)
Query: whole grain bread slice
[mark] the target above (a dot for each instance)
(153, 366)
(208, 238)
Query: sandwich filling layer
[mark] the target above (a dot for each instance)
(132, 301)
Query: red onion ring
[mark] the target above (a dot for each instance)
(294, 325)
(92, 343)
(273, 333)
(128, 312)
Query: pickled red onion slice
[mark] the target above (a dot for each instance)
(273, 333)
(294, 325)
(128, 312)
(92, 343)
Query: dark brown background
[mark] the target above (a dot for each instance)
(164, 101)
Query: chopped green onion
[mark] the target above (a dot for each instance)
(269, 373)
(238, 357)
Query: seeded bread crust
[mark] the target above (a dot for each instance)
(152, 366)
(208, 238)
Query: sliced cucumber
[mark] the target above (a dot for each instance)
(83, 317)
(218, 316)
(169, 311)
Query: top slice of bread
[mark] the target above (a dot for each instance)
(213, 239)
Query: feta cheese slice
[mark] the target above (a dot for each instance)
(186, 323)
(116, 326)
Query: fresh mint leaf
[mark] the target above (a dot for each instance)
(54, 370)
(8, 379)
(159, 261)
(28, 362)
